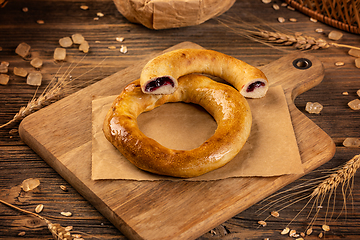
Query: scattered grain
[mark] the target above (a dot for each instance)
(281, 19)
(354, 104)
(77, 38)
(76, 235)
(285, 231)
(302, 234)
(262, 223)
(275, 6)
(292, 19)
(30, 184)
(309, 231)
(84, 7)
(66, 214)
(354, 52)
(335, 35)
(357, 62)
(65, 42)
(21, 72)
(120, 39)
(290, 8)
(1, 49)
(313, 107)
(36, 63)
(25, 9)
(358, 92)
(299, 238)
(39, 208)
(339, 64)
(99, 14)
(320, 235)
(345, 93)
(292, 233)
(34, 79)
(60, 54)
(4, 67)
(13, 131)
(84, 46)
(40, 22)
(275, 214)
(64, 188)
(4, 79)
(266, 1)
(283, 4)
(23, 50)
(96, 19)
(313, 20)
(123, 49)
(111, 47)
(352, 142)
(21, 233)
(319, 30)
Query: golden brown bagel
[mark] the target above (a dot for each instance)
(159, 75)
(229, 108)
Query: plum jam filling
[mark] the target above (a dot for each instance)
(255, 85)
(157, 83)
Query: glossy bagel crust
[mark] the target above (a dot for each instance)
(250, 81)
(229, 109)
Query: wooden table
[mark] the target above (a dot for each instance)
(64, 18)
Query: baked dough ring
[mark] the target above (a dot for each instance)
(230, 110)
(159, 75)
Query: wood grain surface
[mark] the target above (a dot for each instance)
(64, 17)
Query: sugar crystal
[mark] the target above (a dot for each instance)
(20, 72)
(34, 79)
(77, 38)
(313, 107)
(36, 63)
(23, 50)
(65, 42)
(4, 79)
(335, 35)
(60, 54)
(354, 52)
(354, 104)
(4, 67)
(352, 142)
(84, 46)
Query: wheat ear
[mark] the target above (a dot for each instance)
(58, 232)
(53, 91)
(321, 187)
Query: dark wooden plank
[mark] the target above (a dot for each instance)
(63, 18)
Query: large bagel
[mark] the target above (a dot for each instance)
(159, 76)
(229, 108)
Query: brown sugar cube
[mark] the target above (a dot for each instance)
(60, 54)
(4, 79)
(34, 79)
(354, 52)
(20, 72)
(36, 63)
(23, 50)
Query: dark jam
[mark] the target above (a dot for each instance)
(255, 85)
(161, 81)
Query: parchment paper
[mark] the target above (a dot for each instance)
(162, 14)
(271, 149)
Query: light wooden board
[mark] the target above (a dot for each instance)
(165, 209)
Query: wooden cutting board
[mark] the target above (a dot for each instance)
(165, 209)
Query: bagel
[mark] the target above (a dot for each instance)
(229, 109)
(159, 75)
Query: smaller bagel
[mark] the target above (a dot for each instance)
(159, 75)
(229, 109)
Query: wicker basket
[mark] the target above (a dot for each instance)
(342, 14)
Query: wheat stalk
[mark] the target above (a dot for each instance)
(57, 87)
(317, 190)
(57, 231)
(297, 40)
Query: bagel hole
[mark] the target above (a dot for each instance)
(180, 126)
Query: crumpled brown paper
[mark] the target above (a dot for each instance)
(271, 149)
(162, 14)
